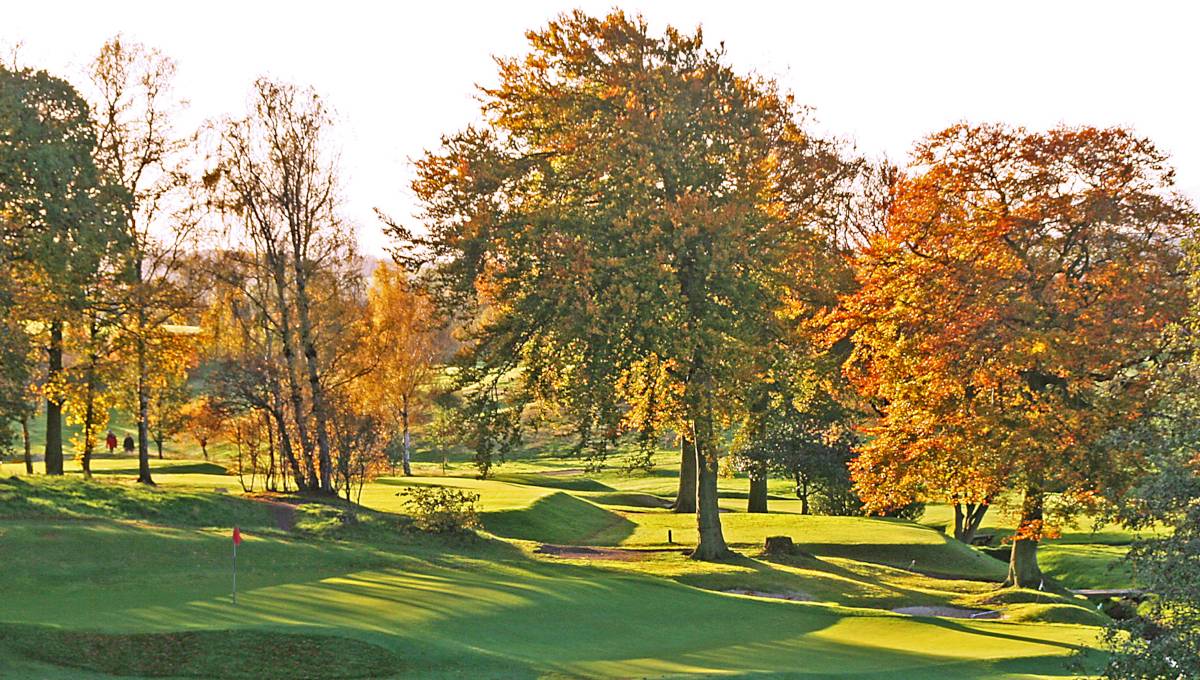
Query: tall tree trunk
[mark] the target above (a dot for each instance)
(407, 454)
(685, 498)
(27, 443)
(54, 367)
(272, 471)
(967, 518)
(711, 545)
(758, 489)
(1023, 570)
(316, 389)
(802, 492)
(289, 360)
(143, 399)
(88, 415)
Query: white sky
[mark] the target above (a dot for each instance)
(400, 75)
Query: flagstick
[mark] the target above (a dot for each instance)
(235, 572)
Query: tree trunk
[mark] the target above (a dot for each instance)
(802, 492)
(316, 389)
(54, 367)
(711, 545)
(272, 471)
(758, 489)
(289, 359)
(685, 498)
(1023, 570)
(158, 442)
(27, 443)
(967, 518)
(289, 454)
(143, 399)
(406, 458)
(88, 415)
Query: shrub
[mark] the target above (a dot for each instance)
(442, 510)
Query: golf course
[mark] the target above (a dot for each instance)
(571, 575)
(525, 340)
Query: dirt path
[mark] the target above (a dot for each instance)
(284, 514)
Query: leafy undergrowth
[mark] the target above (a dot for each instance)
(204, 653)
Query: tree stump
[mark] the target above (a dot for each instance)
(780, 545)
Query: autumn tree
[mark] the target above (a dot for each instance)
(628, 198)
(1007, 314)
(401, 341)
(61, 219)
(203, 421)
(139, 149)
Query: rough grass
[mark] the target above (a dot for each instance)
(232, 654)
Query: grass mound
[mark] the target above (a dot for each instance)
(559, 518)
(1055, 613)
(629, 499)
(72, 498)
(204, 653)
(571, 483)
(1024, 596)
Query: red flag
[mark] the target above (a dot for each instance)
(237, 536)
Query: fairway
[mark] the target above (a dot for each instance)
(107, 558)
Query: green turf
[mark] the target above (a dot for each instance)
(111, 571)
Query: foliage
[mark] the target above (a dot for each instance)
(629, 200)
(401, 344)
(203, 420)
(795, 428)
(442, 509)
(61, 218)
(358, 451)
(1163, 640)
(1006, 318)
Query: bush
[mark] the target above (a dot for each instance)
(911, 512)
(442, 510)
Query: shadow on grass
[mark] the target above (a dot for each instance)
(204, 653)
(171, 469)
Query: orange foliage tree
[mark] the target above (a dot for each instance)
(1006, 315)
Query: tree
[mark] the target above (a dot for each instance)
(139, 150)
(61, 218)
(203, 421)
(14, 366)
(278, 178)
(796, 428)
(1163, 639)
(401, 341)
(166, 409)
(1005, 317)
(628, 199)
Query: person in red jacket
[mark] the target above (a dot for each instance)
(111, 442)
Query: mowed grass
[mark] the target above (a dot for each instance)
(105, 564)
